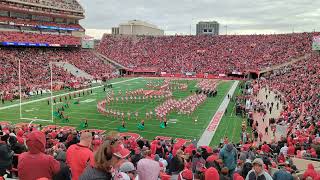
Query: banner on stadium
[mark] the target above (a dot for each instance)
(236, 72)
(190, 73)
(316, 43)
(57, 28)
(25, 44)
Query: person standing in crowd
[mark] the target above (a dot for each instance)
(79, 155)
(35, 163)
(257, 171)
(228, 155)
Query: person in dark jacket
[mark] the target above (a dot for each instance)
(229, 156)
(64, 173)
(282, 175)
(247, 166)
(17, 149)
(177, 163)
(5, 155)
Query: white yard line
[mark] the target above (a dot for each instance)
(209, 132)
(29, 102)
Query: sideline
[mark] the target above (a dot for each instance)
(209, 132)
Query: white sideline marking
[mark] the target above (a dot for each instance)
(29, 102)
(209, 132)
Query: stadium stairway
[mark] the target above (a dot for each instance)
(109, 61)
(73, 70)
(289, 62)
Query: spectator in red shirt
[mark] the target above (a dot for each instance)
(310, 172)
(79, 155)
(265, 148)
(35, 163)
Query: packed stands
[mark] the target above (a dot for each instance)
(216, 55)
(38, 38)
(299, 88)
(35, 66)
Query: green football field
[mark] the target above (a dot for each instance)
(179, 125)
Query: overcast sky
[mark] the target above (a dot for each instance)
(176, 16)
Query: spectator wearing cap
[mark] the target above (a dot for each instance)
(186, 175)
(129, 169)
(228, 155)
(106, 159)
(35, 163)
(236, 176)
(258, 171)
(310, 172)
(211, 173)
(79, 155)
(148, 169)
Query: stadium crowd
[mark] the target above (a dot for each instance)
(24, 37)
(64, 153)
(35, 69)
(205, 54)
(298, 87)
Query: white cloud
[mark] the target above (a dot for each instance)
(97, 33)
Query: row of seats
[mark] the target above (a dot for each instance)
(39, 38)
(64, 4)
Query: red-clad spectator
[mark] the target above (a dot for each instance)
(291, 150)
(211, 173)
(186, 175)
(265, 148)
(79, 155)
(34, 163)
(310, 172)
(20, 138)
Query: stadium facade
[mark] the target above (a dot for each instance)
(207, 28)
(41, 17)
(137, 27)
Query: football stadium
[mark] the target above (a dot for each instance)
(141, 104)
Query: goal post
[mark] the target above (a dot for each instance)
(51, 97)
